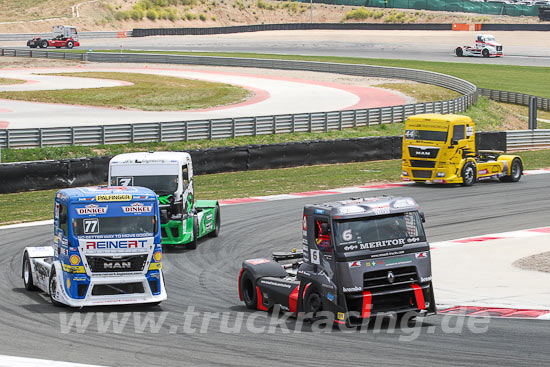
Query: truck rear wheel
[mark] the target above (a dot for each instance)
(248, 290)
(193, 244)
(459, 52)
(44, 44)
(217, 223)
(27, 273)
(468, 174)
(52, 286)
(515, 172)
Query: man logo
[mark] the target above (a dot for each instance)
(117, 265)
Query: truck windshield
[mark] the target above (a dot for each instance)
(161, 185)
(429, 135)
(378, 233)
(114, 225)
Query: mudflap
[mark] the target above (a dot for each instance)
(206, 213)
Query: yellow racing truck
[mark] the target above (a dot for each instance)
(441, 149)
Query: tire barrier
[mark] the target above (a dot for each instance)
(146, 32)
(53, 174)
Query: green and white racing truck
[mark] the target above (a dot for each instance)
(170, 176)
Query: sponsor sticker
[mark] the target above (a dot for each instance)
(92, 209)
(421, 255)
(340, 316)
(354, 264)
(257, 261)
(426, 279)
(113, 197)
(352, 289)
(125, 181)
(330, 297)
(137, 208)
(347, 235)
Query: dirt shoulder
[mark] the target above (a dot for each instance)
(101, 15)
(538, 262)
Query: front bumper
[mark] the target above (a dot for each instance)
(116, 299)
(430, 175)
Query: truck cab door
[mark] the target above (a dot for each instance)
(187, 195)
(458, 143)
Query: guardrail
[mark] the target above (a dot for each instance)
(238, 126)
(527, 139)
(81, 35)
(516, 98)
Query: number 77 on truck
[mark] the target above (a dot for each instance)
(106, 249)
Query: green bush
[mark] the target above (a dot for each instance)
(122, 15)
(203, 17)
(152, 14)
(136, 14)
(190, 16)
(359, 14)
(378, 14)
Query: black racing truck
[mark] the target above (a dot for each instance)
(361, 258)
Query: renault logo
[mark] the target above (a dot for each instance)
(391, 277)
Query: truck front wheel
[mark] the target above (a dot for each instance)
(468, 174)
(193, 244)
(248, 290)
(52, 287)
(217, 223)
(70, 44)
(312, 300)
(27, 273)
(485, 52)
(459, 52)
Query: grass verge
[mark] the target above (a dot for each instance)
(37, 205)
(522, 79)
(148, 93)
(9, 81)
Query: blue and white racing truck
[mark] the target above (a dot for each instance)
(106, 249)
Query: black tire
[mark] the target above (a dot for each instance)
(312, 300)
(44, 44)
(217, 221)
(515, 172)
(70, 44)
(248, 290)
(193, 244)
(34, 46)
(459, 52)
(52, 284)
(485, 53)
(27, 273)
(57, 46)
(469, 174)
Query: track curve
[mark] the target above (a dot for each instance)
(206, 280)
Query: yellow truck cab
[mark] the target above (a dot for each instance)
(441, 149)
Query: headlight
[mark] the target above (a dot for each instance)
(74, 259)
(440, 174)
(405, 173)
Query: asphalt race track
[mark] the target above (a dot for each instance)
(207, 280)
(520, 48)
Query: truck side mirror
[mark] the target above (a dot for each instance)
(423, 217)
(454, 142)
(185, 175)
